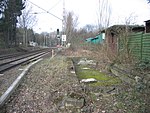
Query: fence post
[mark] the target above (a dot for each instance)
(141, 56)
(53, 53)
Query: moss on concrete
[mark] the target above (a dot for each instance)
(102, 78)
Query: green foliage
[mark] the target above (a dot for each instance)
(10, 10)
(2, 5)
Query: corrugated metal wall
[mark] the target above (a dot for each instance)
(139, 45)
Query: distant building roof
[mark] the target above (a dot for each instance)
(119, 28)
(147, 28)
(147, 21)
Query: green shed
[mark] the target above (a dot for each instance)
(96, 40)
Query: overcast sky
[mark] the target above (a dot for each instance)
(87, 10)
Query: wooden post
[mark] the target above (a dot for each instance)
(141, 55)
(52, 53)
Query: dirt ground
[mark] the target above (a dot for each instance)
(51, 86)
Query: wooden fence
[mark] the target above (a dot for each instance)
(139, 44)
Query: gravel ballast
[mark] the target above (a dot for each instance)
(44, 88)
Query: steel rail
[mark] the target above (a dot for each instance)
(19, 61)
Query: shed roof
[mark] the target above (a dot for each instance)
(118, 28)
(147, 21)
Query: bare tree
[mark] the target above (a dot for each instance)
(27, 20)
(131, 19)
(71, 22)
(124, 31)
(89, 28)
(104, 13)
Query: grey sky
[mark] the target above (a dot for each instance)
(87, 10)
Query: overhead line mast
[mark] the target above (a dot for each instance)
(63, 20)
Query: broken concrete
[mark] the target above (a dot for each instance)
(89, 80)
(73, 102)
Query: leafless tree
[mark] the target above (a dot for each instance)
(89, 28)
(104, 13)
(27, 20)
(124, 52)
(131, 19)
(71, 22)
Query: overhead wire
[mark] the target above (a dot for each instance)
(38, 12)
(55, 5)
(45, 10)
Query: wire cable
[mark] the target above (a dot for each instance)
(45, 10)
(54, 5)
(38, 12)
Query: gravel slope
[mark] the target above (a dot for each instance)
(8, 77)
(44, 88)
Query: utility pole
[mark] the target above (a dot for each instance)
(63, 23)
(63, 20)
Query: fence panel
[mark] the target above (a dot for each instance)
(134, 44)
(139, 45)
(146, 46)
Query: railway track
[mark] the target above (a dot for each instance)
(12, 55)
(3, 57)
(6, 63)
(32, 58)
